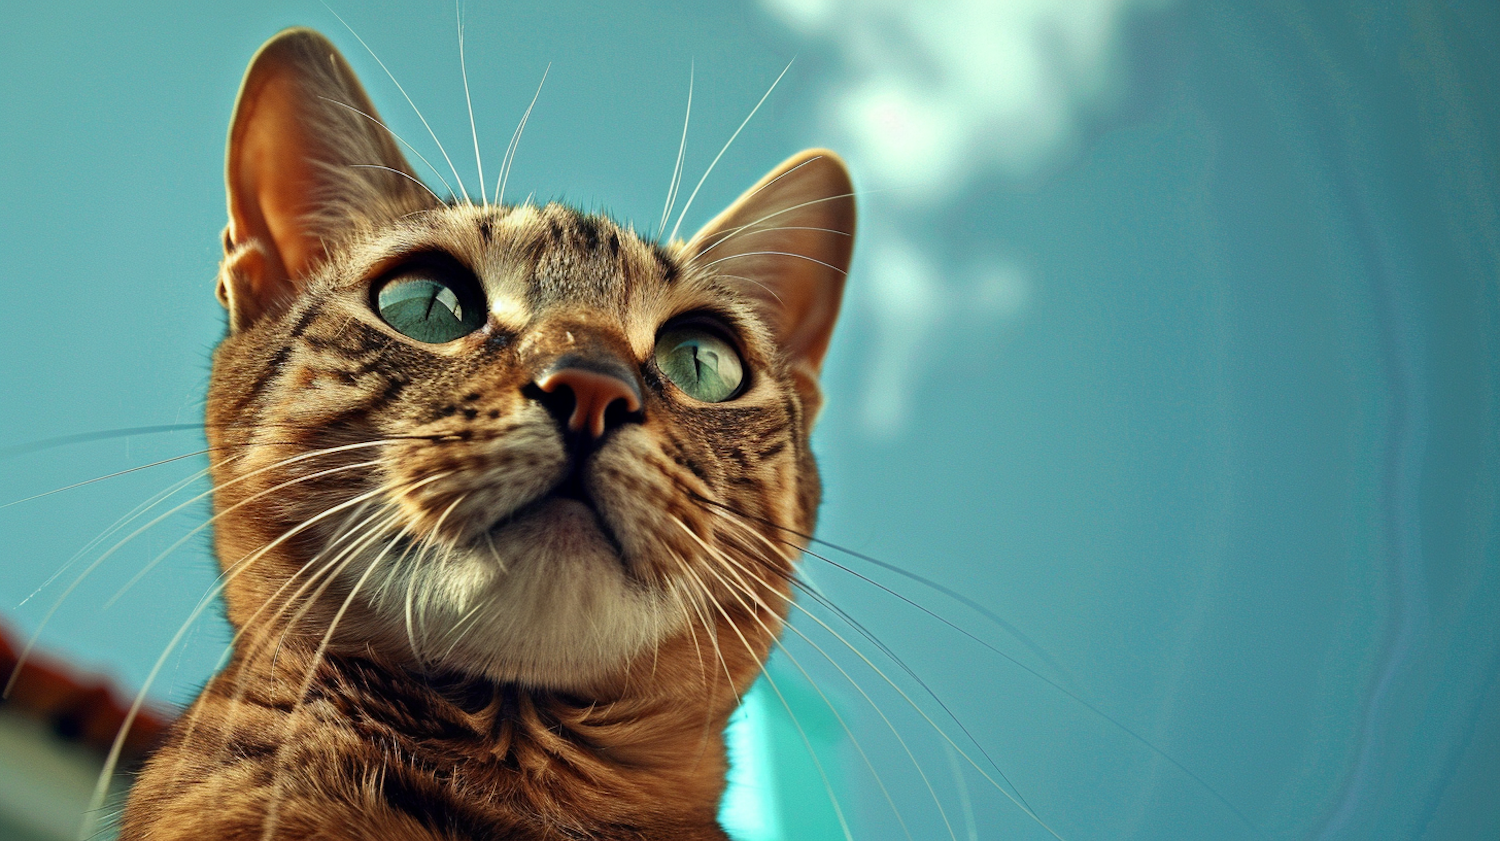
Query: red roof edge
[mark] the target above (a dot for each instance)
(81, 708)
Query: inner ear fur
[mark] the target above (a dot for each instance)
(308, 161)
(788, 240)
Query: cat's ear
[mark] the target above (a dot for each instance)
(788, 240)
(307, 159)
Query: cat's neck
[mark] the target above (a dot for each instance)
(402, 754)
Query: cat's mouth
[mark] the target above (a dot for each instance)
(567, 505)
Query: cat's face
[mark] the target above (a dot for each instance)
(515, 441)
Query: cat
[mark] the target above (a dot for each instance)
(508, 498)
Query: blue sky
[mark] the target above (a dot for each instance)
(1170, 340)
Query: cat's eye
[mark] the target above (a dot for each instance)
(700, 362)
(430, 307)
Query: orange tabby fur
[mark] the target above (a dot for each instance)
(432, 642)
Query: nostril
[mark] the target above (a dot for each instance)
(618, 413)
(559, 402)
(591, 401)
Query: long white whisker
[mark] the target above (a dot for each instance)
(1008, 628)
(743, 587)
(101, 789)
(727, 144)
(410, 148)
(77, 581)
(750, 226)
(709, 627)
(696, 580)
(1020, 637)
(413, 105)
(117, 473)
(666, 212)
(688, 609)
(515, 141)
(775, 254)
(770, 681)
(407, 176)
(112, 759)
(411, 586)
(283, 605)
(1020, 804)
(970, 827)
(198, 529)
(118, 525)
(473, 129)
(272, 811)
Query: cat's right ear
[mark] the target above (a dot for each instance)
(308, 161)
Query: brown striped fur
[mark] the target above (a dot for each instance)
(431, 644)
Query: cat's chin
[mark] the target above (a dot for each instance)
(564, 523)
(545, 598)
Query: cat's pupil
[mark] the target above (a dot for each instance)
(700, 363)
(427, 309)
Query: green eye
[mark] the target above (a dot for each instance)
(700, 363)
(428, 309)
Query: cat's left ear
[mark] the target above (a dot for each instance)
(308, 162)
(788, 240)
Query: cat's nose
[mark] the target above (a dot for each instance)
(590, 396)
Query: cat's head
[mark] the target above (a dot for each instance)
(516, 441)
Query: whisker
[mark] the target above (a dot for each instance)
(735, 567)
(410, 148)
(473, 129)
(268, 826)
(407, 176)
(225, 578)
(1070, 694)
(727, 144)
(413, 105)
(1016, 633)
(666, 212)
(112, 758)
(744, 254)
(411, 585)
(962, 785)
(770, 681)
(319, 569)
(726, 557)
(1015, 798)
(331, 567)
(1018, 798)
(686, 606)
(710, 628)
(115, 527)
(748, 227)
(86, 437)
(515, 142)
(52, 611)
(114, 475)
(753, 281)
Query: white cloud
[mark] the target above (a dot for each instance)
(940, 92)
(937, 98)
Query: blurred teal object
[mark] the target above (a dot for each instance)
(787, 752)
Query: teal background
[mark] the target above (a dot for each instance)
(1199, 393)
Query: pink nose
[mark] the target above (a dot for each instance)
(593, 395)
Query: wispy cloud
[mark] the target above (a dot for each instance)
(939, 98)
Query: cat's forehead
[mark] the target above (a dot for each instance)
(539, 261)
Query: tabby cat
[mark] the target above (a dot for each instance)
(507, 498)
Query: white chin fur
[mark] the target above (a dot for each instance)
(548, 602)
